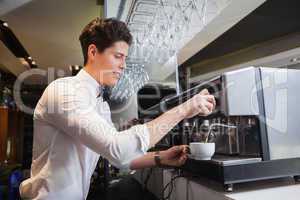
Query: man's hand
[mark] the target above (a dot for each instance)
(200, 104)
(174, 156)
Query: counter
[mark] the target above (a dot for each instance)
(197, 188)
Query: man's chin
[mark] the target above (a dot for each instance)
(112, 83)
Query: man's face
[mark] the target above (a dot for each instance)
(110, 63)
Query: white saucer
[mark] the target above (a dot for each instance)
(199, 158)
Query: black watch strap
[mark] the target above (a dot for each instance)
(157, 159)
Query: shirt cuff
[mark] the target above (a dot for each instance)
(143, 135)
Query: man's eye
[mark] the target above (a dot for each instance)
(118, 56)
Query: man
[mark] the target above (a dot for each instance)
(72, 124)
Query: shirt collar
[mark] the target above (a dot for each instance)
(86, 77)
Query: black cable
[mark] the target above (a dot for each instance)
(171, 189)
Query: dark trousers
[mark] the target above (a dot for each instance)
(126, 189)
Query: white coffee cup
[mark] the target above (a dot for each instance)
(201, 150)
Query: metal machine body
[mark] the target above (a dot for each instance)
(255, 125)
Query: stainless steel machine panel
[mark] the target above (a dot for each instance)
(239, 93)
(281, 92)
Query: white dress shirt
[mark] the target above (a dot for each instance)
(72, 127)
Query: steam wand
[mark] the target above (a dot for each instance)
(216, 124)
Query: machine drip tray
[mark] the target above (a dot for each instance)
(234, 160)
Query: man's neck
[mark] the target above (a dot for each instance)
(95, 74)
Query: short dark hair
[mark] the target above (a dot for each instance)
(103, 33)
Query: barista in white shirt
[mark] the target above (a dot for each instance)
(72, 123)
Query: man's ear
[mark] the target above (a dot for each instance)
(92, 50)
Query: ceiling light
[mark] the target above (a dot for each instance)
(24, 62)
(295, 60)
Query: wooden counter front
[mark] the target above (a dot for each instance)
(11, 129)
(3, 132)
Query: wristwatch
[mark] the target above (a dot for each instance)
(157, 159)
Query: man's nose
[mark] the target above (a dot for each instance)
(123, 65)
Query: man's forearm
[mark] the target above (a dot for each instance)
(174, 156)
(144, 161)
(158, 128)
(161, 125)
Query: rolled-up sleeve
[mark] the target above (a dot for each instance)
(71, 111)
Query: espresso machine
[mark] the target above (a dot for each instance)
(255, 126)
